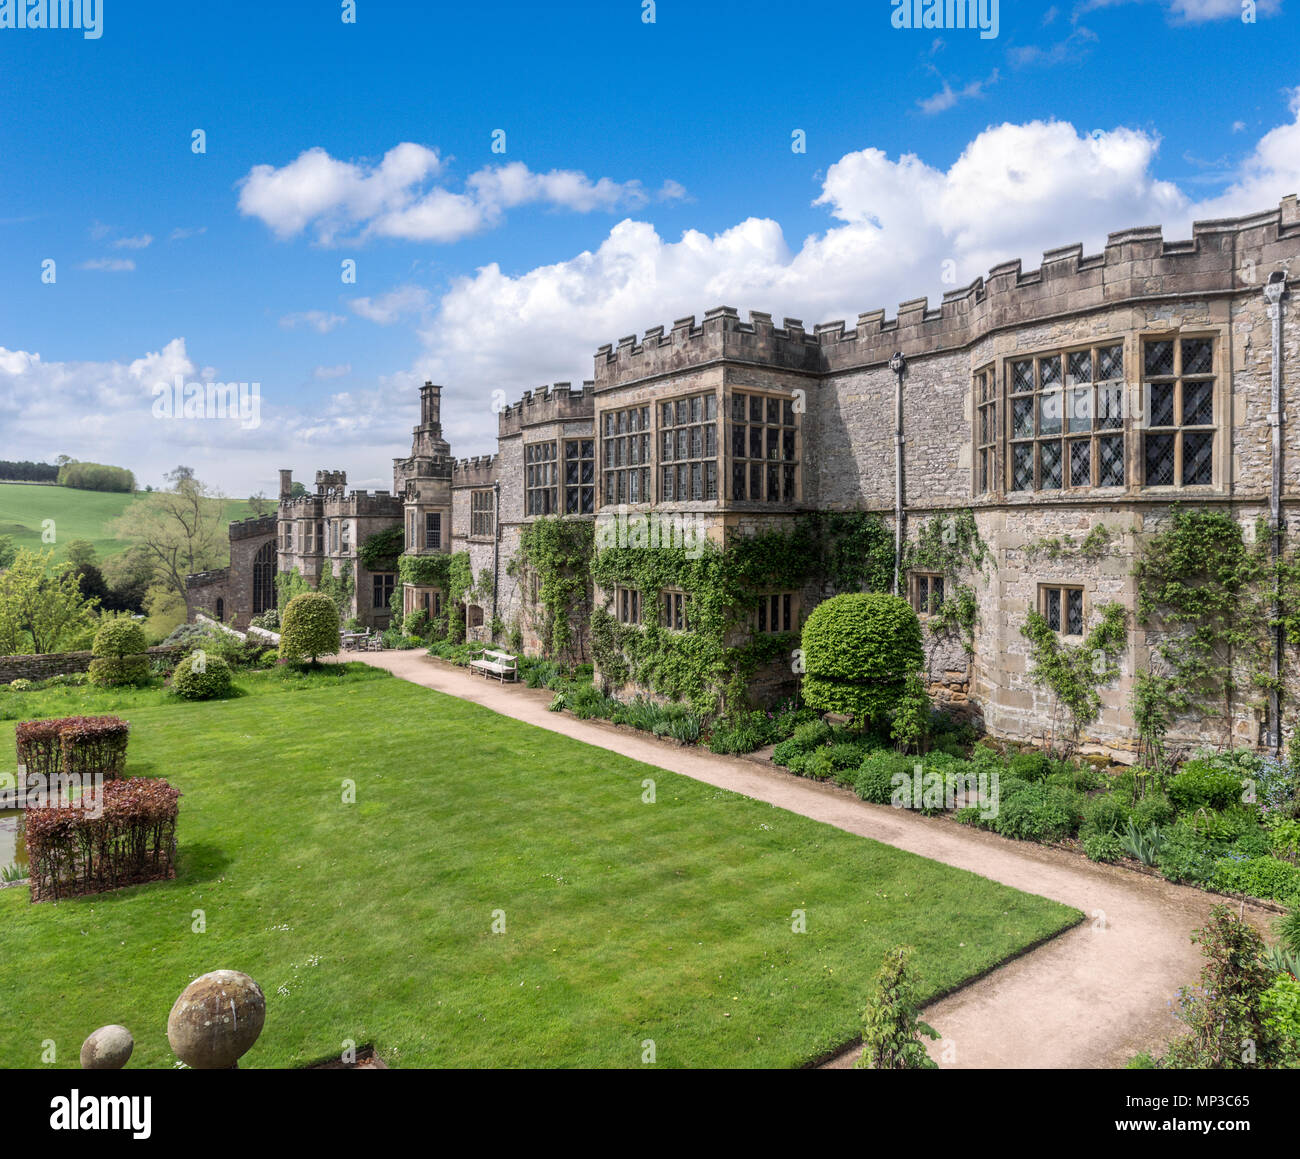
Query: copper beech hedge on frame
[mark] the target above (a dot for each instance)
(73, 745)
(133, 839)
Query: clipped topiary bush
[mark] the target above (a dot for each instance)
(858, 650)
(309, 628)
(120, 658)
(202, 677)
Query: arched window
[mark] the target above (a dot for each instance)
(264, 578)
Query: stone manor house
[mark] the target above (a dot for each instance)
(1098, 389)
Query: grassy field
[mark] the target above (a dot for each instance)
(76, 515)
(372, 922)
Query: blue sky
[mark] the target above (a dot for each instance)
(648, 173)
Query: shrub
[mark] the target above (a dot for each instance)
(119, 636)
(910, 726)
(1284, 840)
(1264, 877)
(1103, 847)
(875, 779)
(1103, 814)
(93, 746)
(19, 685)
(1152, 810)
(1035, 812)
(202, 677)
(1199, 784)
(858, 650)
(270, 620)
(812, 734)
(132, 839)
(37, 744)
(119, 671)
(311, 627)
(1186, 855)
(1030, 766)
(891, 1026)
(1280, 1006)
(741, 732)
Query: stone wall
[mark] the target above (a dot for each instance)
(45, 665)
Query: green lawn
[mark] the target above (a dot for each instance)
(624, 921)
(76, 515)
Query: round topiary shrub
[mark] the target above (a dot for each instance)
(309, 628)
(858, 650)
(202, 677)
(119, 649)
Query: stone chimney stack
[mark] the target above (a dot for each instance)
(431, 407)
(286, 484)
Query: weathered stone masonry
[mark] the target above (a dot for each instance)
(1193, 429)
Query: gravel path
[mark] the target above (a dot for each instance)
(1092, 997)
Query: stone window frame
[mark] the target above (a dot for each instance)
(345, 534)
(627, 605)
(1060, 607)
(575, 492)
(922, 587)
(482, 515)
(776, 607)
(1178, 429)
(309, 544)
(431, 531)
(382, 586)
(744, 421)
(987, 434)
(626, 446)
(689, 423)
(1063, 383)
(672, 610)
(541, 478)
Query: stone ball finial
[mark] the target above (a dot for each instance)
(107, 1048)
(216, 1020)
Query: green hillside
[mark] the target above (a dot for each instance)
(76, 515)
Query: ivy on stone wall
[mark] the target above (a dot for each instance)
(380, 552)
(558, 552)
(950, 544)
(1092, 546)
(1204, 593)
(1075, 674)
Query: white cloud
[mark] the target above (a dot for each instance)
(947, 97)
(140, 242)
(112, 265)
(340, 371)
(180, 233)
(1201, 11)
(388, 308)
(319, 320)
(393, 199)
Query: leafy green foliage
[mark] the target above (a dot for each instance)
(1200, 784)
(910, 726)
(559, 553)
(891, 1026)
(199, 676)
(310, 628)
(858, 651)
(379, 552)
(119, 636)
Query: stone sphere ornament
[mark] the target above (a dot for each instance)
(107, 1048)
(216, 1020)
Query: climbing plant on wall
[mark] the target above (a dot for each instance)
(1075, 674)
(379, 552)
(950, 544)
(558, 553)
(1204, 594)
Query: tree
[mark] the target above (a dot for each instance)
(41, 605)
(891, 1026)
(119, 650)
(297, 490)
(80, 552)
(128, 575)
(183, 530)
(309, 627)
(7, 551)
(858, 651)
(259, 504)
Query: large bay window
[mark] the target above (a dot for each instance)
(1178, 388)
(764, 462)
(541, 478)
(688, 441)
(625, 455)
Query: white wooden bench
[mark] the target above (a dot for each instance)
(499, 664)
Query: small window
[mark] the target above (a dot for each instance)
(579, 476)
(482, 514)
(1062, 608)
(674, 611)
(432, 531)
(382, 590)
(927, 592)
(776, 613)
(627, 605)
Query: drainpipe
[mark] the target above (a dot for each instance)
(496, 543)
(898, 364)
(1273, 291)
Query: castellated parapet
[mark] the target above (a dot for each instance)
(254, 525)
(547, 404)
(1222, 257)
(480, 471)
